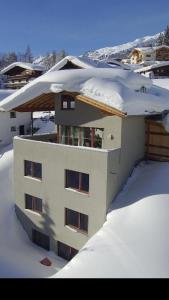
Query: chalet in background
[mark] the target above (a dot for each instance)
(158, 70)
(18, 74)
(145, 55)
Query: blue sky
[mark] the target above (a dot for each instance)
(77, 26)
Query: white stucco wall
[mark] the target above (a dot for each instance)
(6, 136)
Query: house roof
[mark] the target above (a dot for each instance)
(109, 87)
(5, 93)
(84, 62)
(153, 66)
(23, 65)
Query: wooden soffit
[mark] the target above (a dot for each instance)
(46, 102)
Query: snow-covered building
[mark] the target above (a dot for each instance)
(17, 74)
(147, 55)
(84, 62)
(156, 70)
(65, 181)
(12, 123)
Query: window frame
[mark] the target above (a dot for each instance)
(13, 129)
(79, 189)
(33, 204)
(78, 227)
(13, 115)
(68, 99)
(32, 168)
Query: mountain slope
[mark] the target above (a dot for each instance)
(122, 50)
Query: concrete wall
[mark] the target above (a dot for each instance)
(55, 159)
(87, 116)
(131, 152)
(6, 136)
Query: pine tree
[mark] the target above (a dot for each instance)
(28, 57)
(166, 36)
(160, 40)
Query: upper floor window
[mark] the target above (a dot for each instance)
(80, 136)
(77, 181)
(32, 169)
(76, 220)
(67, 102)
(33, 203)
(12, 114)
(13, 128)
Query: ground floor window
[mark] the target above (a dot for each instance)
(33, 203)
(76, 220)
(41, 239)
(77, 181)
(80, 136)
(66, 251)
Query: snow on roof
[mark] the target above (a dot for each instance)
(23, 65)
(81, 61)
(5, 93)
(157, 64)
(144, 49)
(133, 242)
(114, 87)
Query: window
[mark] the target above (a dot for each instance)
(80, 136)
(33, 203)
(67, 102)
(32, 169)
(66, 251)
(13, 128)
(76, 220)
(41, 239)
(77, 181)
(12, 114)
(143, 89)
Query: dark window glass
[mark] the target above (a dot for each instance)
(33, 203)
(12, 114)
(28, 202)
(13, 128)
(67, 102)
(33, 169)
(72, 179)
(37, 170)
(84, 182)
(41, 239)
(66, 251)
(72, 218)
(28, 168)
(84, 222)
(76, 219)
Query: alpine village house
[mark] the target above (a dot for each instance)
(65, 181)
(18, 74)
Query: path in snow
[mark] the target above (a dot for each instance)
(18, 256)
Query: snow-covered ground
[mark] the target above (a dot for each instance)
(134, 242)
(18, 256)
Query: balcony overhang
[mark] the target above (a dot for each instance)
(46, 102)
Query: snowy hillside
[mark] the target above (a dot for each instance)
(122, 50)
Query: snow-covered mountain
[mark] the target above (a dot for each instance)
(122, 51)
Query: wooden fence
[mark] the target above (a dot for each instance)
(157, 141)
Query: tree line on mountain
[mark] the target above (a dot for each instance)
(163, 38)
(49, 60)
